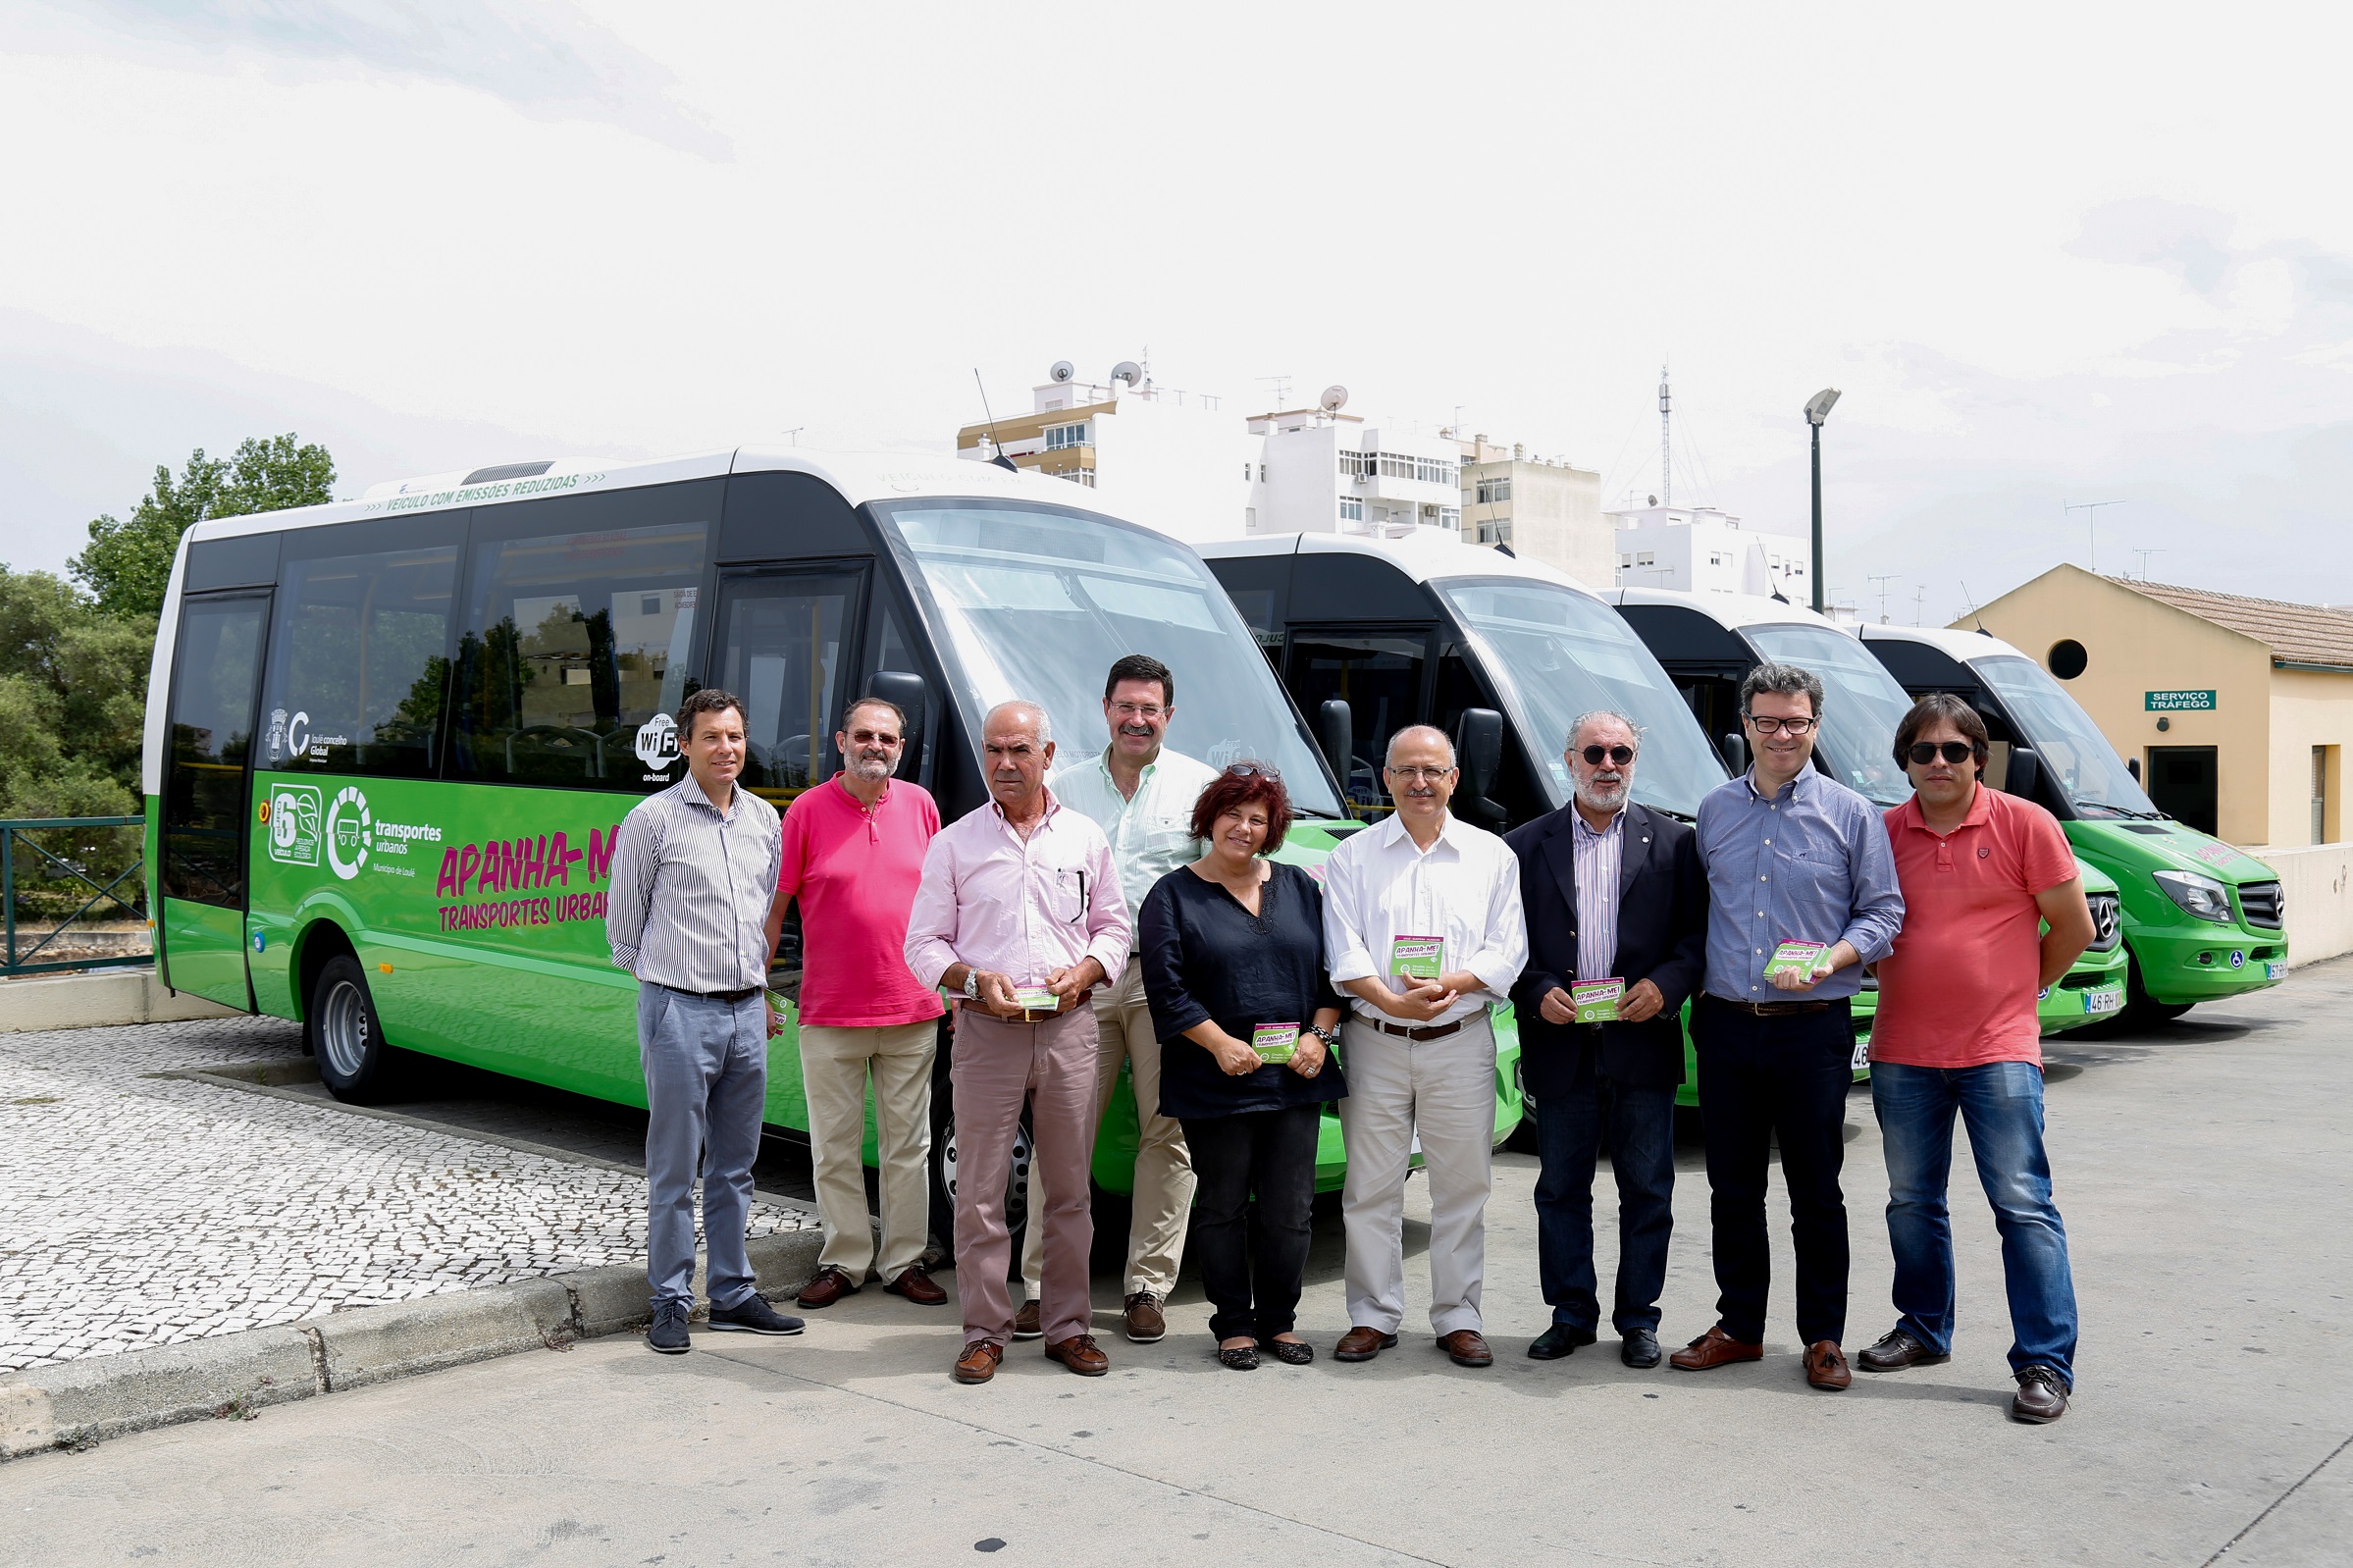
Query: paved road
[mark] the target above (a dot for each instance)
(2204, 1177)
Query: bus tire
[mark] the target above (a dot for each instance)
(2143, 1011)
(944, 1179)
(355, 1062)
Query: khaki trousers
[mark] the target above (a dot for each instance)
(995, 1067)
(835, 1063)
(1164, 1167)
(1444, 1091)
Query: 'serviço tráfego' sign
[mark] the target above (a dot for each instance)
(2179, 701)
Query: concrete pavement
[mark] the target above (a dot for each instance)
(2203, 1176)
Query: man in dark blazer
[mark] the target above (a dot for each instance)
(1613, 892)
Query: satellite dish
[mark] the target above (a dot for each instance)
(1063, 370)
(1654, 500)
(1128, 371)
(1333, 398)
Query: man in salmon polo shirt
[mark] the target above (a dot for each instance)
(1982, 872)
(852, 856)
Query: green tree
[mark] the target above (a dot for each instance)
(128, 564)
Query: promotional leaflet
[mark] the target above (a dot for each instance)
(1275, 1042)
(1417, 957)
(1795, 957)
(1036, 999)
(1596, 1001)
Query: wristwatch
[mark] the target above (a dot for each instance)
(972, 981)
(1330, 1037)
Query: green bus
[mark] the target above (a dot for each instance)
(389, 741)
(2202, 921)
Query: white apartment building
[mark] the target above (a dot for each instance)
(1323, 472)
(1699, 550)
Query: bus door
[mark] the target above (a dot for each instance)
(206, 810)
(1383, 676)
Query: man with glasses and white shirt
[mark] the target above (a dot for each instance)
(1141, 794)
(1422, 925)
(1802, 894)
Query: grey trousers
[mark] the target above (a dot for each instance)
(706, 1082)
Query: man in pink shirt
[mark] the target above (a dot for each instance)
(1019, 910)
(853, 855)
(1981, 872)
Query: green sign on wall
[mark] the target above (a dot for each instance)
(2181, 701)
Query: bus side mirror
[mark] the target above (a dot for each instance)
(907, 692)
(1735, 748)
(1479, 752)
(1335, 732)
(2026, 772)
(2132, 766)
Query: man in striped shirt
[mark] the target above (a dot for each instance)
(691, 881)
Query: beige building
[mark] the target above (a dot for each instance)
(2237, 710)
(1544, 508)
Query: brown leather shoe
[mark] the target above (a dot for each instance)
(829, 1287)
(1467, 1347)
(1826, 1366)
(1715, 1348)
(1363, 1344)
(1145, 1324)
(2042, 1396)
(979, 1361)
(915, 1285)
(1080, 1354)
(1025, 1324)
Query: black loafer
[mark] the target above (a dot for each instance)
(1896, 1351)
(1558, 1340)
(1639, 1349)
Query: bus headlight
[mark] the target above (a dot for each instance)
(2200, 897)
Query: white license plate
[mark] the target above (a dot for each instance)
(1863, 1053)
(2274, 969)
(2104, 999)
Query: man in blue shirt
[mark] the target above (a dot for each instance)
(1797, 862)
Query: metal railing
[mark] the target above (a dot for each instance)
(37, 884)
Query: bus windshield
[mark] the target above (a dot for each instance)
(1861, 706)
(1554, 654)
(1036, 603)
(2071, 745)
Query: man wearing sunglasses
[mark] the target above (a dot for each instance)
(1801, 894)
(1983, 873)
(1614, 894)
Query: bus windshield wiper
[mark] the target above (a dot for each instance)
(2102, 805)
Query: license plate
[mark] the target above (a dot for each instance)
(2274, 969)
(2104, 999)
(1863, 1053)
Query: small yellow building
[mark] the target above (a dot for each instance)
(2235, 709)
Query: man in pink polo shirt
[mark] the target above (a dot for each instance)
(853, 855)
(1982, 872)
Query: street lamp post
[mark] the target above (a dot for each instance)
(1817, 410)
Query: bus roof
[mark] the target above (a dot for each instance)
(1732, 611)
(1956, 645)
(1427, 554)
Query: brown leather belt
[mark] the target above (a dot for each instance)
(1432, 1031)
(1769, 1010)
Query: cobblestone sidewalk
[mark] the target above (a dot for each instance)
(138, 1210)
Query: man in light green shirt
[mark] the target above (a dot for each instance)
(1143, 795)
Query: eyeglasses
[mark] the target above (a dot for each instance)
(863, 737)
(1143, 710)
(1781, 726)
(1620, 755)
(1254, 770)
(1418, 776)
(1954, 751)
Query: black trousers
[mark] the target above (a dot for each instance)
(1761, 1079)
(1253, 1280)
(1636, 1124)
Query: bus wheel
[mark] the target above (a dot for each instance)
(2141, 1010)
(944, 1176)
(355, 1061)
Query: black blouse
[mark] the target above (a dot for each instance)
(1207, 959)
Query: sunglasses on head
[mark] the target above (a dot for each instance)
(1954, 751)
(1620, 755)
(1254, 770)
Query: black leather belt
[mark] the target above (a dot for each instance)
(744, 995)
(1769, 1010)
(1432, 1031)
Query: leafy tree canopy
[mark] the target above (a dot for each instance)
(128, 564)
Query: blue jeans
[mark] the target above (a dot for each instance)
(1637, 1127)
(2001, 1103)
(707, 1083)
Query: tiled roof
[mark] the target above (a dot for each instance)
(2297, 633)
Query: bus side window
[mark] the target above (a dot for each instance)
(579, 646)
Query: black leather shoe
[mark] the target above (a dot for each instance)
(1558, 1340)
(2042, 1396)
(1896, 1351)
(1639, 1349)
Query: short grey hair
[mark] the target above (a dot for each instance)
(1577, 725)
(1430, 730)
(1782, 680)
(1043, 728)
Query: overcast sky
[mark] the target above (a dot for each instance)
(2051, 255)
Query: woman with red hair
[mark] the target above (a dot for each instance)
(1232, 956)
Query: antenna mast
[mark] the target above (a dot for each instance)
(1666, 460)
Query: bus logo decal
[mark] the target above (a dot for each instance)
(294, 823)
(350, 832)
(657, 742)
